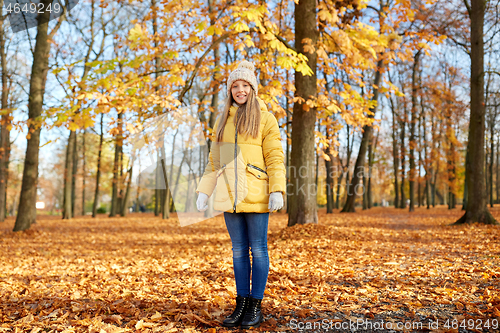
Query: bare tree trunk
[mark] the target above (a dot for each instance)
(486, 169)
(303, 206)
(426, 157)
(403, 166)
(367, 176)
(123, 208)
(166, 193)
(121, 181)
(476, 210)
(176, 183)
(157, 182)
(73, 175)
(413, 121)
(466, 190)
(498, 171)
(84, 172)
(395, 154)
(434, 169)
(189, 205)
(345, 168)
(371, 156)
(419, 190)
(329, 185)
(67, 207)
(98, 175)
(420, 161)
(339, 183)
(40, 65)
(161, 195)
(287, 153)
(116, 178)
(138, 193)
(317, 164)
(427, 187)
(365, 186)
(214, 104)
(450, 137)
(347, 185)
(6, 122)
(191, 185)
(367, 136)
(329, 176)
(317, 167)
(434, 189)
(492, 160)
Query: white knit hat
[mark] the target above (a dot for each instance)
(246, 72)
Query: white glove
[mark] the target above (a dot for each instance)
(275, 201)
(201, 202)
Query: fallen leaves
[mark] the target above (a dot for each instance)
(144, 274)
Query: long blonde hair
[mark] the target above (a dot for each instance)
(248, 116)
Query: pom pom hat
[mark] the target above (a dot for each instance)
(245, 72)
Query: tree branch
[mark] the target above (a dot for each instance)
(468, 6)
(463, 45)
(492, 72)
(58, 25)
(281, 39)
(189, 82)
(155, 72)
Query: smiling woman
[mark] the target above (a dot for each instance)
(240, 91)
(247, 165)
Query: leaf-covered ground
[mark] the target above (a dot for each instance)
(407, 272)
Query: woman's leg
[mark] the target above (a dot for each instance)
(237, 228)
(257, 234)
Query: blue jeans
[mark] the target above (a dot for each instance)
(249, 230)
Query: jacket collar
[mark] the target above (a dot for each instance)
(233, 109)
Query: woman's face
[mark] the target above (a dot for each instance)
(240, 91)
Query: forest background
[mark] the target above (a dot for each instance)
(387, 88)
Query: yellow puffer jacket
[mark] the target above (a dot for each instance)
(259, 170)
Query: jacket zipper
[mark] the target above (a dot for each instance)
(257, 168)
(235, 163)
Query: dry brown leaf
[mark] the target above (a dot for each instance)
(112, 272)
(157, 316)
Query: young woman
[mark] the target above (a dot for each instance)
(246, 166)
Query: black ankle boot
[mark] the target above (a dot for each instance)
(237, 316)
(253, 315)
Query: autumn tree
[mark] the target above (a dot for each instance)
(6, 118)
(303, 208)
(98, 172)
(91, 26)
(476, 209)
(27, 210)
(367, 129)
(117, 167)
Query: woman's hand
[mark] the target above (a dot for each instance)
(201, 202)
(275, 201)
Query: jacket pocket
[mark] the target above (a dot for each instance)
(257, 172)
